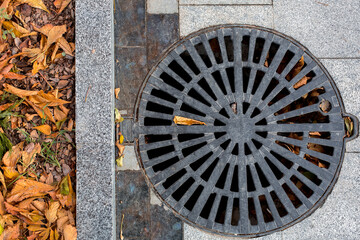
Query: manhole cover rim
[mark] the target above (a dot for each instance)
(330, 187)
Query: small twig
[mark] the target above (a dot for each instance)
(121, 226)
(46, 81)
(87, 92)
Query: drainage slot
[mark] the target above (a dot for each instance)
(190, 62)
(194, 197)
(180, 192)
(265, 209)
(157, 138)
(163, 95)
(252, 212)
(154, 153)
(164, 165)
(205, 212)
(302, 187)
(259, 45)
(174, 178)
(179, 71)
(198, 163)
(245, 48)
(189, 150)
(221, 181)
(229, 48)
(203, 54)
(215, 47)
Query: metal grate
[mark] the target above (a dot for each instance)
(272, 146)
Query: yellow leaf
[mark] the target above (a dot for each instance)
(35, 3)
(119, 161)
(19, 92)
(8, 25)
(118, 118)
(2, 181)
(121, 140)
(10, 172)
(117, 91)
(45, 129)
(70, 232)
(25, 188)
(51, 213)
(186, 121)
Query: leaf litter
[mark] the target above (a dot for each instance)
(37, 151)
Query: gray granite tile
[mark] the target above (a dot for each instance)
(133, 200)
(163, 30)
(225, 2)
(193, 18)
(192, 233)
(164, 225)
(129, 20)
(346, 74)
(339, 217)
(130, 161)
(162, 6)
(326, 28)
(130, 71)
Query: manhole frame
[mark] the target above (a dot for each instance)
(330, 187)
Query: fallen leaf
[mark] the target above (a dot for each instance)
(118, 118)
(11, 157)
(46, 129)
(11, 232)
(302, 82)
(14, 76)
(51, 212)
(10, 173)
(59, 115)
(25, 188)
(2, 206)
(61, 4)
(29, 155)
(70, 232)
(5, 106)
(34, 3)
(120, 147)
(296, 69)
(117, 91)
(186, 121)
(314, 134)
(19, 92)
(349, 125)
(119, 161)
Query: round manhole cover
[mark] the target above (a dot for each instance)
(269, 141)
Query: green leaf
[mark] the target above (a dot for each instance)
(5, 144)
(1, 229)
(64, 187)
(118, 118)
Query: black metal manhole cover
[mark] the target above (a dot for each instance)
(273, 143)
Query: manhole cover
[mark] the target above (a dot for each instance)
(273, 143)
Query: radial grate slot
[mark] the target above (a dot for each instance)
(203, 54)
(268, 143)
(194, 197)
(215, 47)
(190, 62)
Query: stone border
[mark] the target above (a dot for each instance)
(95, 213)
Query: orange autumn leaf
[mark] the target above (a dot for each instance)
(10, 172)
(51, 212)
(59, 115)
(61, 4)
(14, 76)
(70, 232)
(11, 157)
(45, 129)
(5, 106)
(117, 91)
(11, 232)
(19, 92)
(55, 33)
(34, 3)
(186, 121)
(302, 82)
(29, 154)
(26, 188)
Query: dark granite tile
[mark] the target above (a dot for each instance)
(130, 71)
(164, 224)
(129, 19)
(133, 200)
(162, 31)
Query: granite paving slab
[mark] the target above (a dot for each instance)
(225, 2)
(162, 6)
(164, 225)
(130, 71)
(329, 29)
(163, 31)
(193, 18)
(346, 74)
(129, 17)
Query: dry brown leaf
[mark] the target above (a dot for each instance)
(2, 206)
(59, 115)
(39, 205)
(5, 106)
(45, 129)
(314, 134)
(120, 147)
(70, 232)
(14, 76)
(2, 181)
(25, 188)
(54, 34)
(29, 117)
(34, 3)
(302, 82)
(296, 69)
(51, 212)
(117, 91)
(11, 157)
(11, 232)
(29, 155)
(10, 173)
(26, 204)
(70, 125)
(19, 92)
(3, 47)
(186, 121)
(65, 46)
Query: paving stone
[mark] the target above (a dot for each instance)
(326, 28)
(339, 217)
(129, 18)
(154, 200)
(193, 18)
(130, 161)
(163, 31)
(346, 74)
(133, 200)
(164, 224)
(130, 71)
(225, 2)
(162, 6)
(192, 233)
